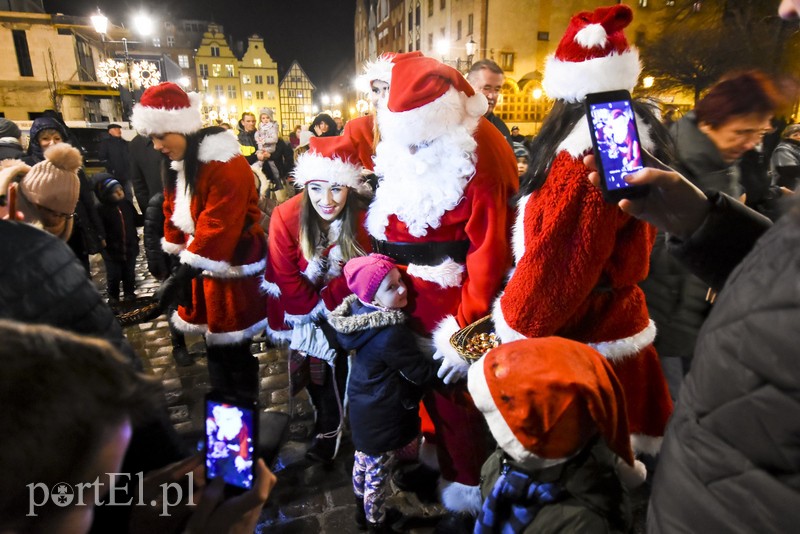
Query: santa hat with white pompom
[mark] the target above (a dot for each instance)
(593, 56)
(166, 108)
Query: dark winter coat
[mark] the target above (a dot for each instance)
(158, 261)
(730, 456)
(388, 376)
(596, 503)
(498, 123)
(120, 220)
(247, 140)
(41, 281)
(784, 163)
(145, 171)
(114, 155)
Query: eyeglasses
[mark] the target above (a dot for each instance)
(54, 213)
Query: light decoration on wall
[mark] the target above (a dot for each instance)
(145, 74)
(112, 73)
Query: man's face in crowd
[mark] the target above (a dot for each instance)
(115, 132)
(249, 123)
(489, 83)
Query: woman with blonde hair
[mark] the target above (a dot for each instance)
(312, 235)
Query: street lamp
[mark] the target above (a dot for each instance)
(471, 47)
(443, 49)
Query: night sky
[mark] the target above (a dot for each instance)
(317, 33)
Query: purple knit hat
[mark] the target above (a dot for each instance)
(364, 274)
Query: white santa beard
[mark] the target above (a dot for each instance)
(420, 188)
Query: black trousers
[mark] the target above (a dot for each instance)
(120, 271)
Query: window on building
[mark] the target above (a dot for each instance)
(260, 95)
(23, 53)
(168, 25)
(246, 78)
(229, 70)
(270, 95)
(214, 51)
(441, 31)
(231, 92)
(507, 60)
(470, 20)
(183, 61)
(430, 8)
(203, 70)
(259, 79)
(257, 62)
(442, 4)
(219, 91)
(248, 95)
(543, 36)
(430, 42)
(410, 18)
(416, 13)
(157, 42)
(270, 80)
(170, 41)
(458, 30)
(642, 3)
(216, 70)
(417, 43)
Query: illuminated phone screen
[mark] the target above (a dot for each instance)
(617, 141)
(229, 443)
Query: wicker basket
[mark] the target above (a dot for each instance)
(137, 311)
(465, 339)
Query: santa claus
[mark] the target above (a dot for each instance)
(441, 211)
(579, 259)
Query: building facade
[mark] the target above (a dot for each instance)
(259, 76)
(297, 99)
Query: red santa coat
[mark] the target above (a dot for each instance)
(301, 290)
(216, 229)
(361, 132)
(445, 297)
(579, 260)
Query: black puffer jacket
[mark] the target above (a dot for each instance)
(387, 377)
(731, 453)
(158, 262)
(41, 281)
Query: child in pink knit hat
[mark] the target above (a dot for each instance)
(387, 380)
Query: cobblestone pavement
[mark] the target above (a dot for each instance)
(309, 498)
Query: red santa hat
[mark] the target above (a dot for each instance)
(330, 159)
(166, 108)
(547, 397)
(593, 56)
(426, 100)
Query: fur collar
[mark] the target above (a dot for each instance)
(343, 320)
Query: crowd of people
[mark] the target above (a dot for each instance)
(648, 340)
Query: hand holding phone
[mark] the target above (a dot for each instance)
(231, 428)
(616, 143)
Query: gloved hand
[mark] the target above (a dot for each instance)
(178, 287)
(309, 338)
(452, 368)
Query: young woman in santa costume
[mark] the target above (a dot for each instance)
(578, 258)
(211, 223)
(312, 236)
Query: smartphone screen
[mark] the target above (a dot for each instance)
(616, 140)
(230, 441)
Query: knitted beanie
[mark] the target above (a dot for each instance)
(105, 184)
(364, 274)
(53, 182)
(9, 129)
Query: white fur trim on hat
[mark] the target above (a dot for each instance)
(160, 121)
(457, 497)
(336, 171)
(572, 81)
(431, 121)
(482, 397)
(447, 274)
(641, 443)
(379, 69)
(592, 36)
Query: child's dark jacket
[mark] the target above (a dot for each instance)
(387, 378)
(120, 220)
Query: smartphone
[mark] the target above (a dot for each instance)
(615, 138)
(231, 430)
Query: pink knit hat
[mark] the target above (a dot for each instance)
(364, 274)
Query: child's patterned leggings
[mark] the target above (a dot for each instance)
(371, 478)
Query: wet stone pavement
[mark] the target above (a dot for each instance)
(309, 497)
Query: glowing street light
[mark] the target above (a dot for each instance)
(648, 81)
(337, 100)
(143, 24)
(326, 100)
(443, 48)
(100, 23)
(537, 94)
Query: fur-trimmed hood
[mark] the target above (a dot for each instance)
(357, 322)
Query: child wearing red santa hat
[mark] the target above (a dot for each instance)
(557, 412)
(579, 259)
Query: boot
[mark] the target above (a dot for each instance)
(217, 372)
(360, 515)
(419, 479)
(179, 352)
(455, 523)
(242, 371)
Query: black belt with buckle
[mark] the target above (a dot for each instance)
(430, 253)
